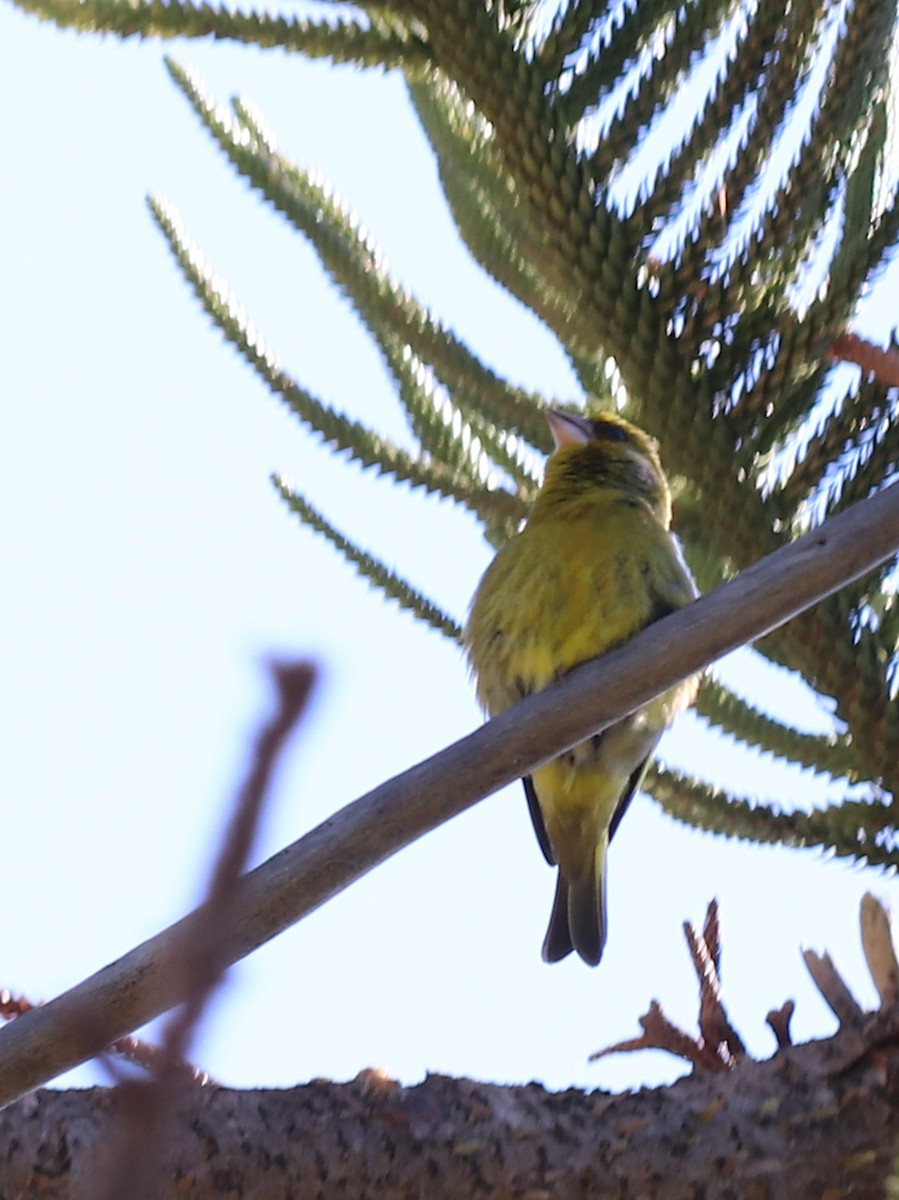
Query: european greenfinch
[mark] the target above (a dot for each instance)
(595, 562)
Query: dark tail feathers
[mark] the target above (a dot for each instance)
(578, 920)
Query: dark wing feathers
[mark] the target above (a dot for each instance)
(633, 784)
(661, 606)
(537, 820)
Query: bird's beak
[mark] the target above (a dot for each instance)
(568, 429)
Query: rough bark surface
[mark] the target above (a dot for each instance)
(819, 1120)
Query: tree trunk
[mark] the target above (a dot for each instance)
(819, 1120)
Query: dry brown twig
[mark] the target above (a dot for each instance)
(718, 1047)
(882, 365)
(779, 1020)
(833, 988)
(863, 1032)
(661, 1034)
(717, 1033)
(879, 944)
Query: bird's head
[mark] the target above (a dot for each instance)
(608, 454)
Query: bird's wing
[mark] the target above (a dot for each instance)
(662, 606)
(667, 596)
(537, 820)
(633, 785)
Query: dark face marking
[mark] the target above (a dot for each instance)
(607, 431)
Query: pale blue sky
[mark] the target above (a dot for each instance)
(147, 568)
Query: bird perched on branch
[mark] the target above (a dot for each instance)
(594, 564)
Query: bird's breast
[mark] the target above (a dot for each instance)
(562, 591)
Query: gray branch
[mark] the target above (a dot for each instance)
(142, 984)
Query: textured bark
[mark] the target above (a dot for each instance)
(819, 1120)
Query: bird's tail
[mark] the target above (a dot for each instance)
(578, 920)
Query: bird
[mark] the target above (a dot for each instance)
(594, 563)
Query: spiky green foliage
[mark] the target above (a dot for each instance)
(365, 42)
(706, 269)
(340, 432)
(862, 829)
(391, 584)
(831, 753)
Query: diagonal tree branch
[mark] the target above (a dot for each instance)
(142, 984)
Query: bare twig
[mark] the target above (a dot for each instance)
(660, 1034)
(880, 950)
(714, 1025)
(148, 1057)
(718, 1046)
(833, 988)
(204, 951)
(779, 1020)
(711, 936)
(882, 364)
(125, 995)
(201, 957)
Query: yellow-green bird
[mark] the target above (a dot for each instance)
(595, 563)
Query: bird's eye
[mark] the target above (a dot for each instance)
(607, 432)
